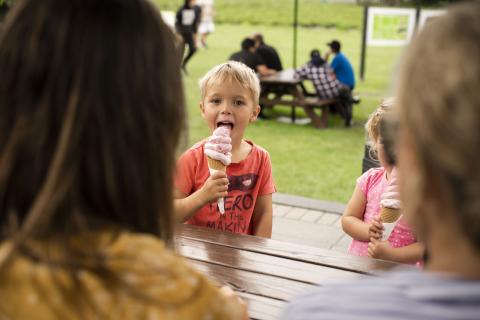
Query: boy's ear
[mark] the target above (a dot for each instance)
(202, 109)
(255, 113)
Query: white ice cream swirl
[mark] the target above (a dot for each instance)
(391, 197)
(219, 146)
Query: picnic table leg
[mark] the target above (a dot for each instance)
(324, 116)
(318, 122)
(293, 114)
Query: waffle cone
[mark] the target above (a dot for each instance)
(216, 164)
(389, 215)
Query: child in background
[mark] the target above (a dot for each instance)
(186, 24)
(361, 217)
(207, 24)
(230, 94)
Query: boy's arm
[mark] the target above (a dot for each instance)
(262, 216)
(352, 219)
(185, 206)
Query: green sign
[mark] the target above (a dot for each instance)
(390, 27)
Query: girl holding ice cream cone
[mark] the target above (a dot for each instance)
(373, 216)
(225, 182)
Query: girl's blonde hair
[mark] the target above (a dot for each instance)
(232, 70)
(439, 104)
(373, 123)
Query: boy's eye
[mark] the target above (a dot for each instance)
(239, 102)
(215, 101)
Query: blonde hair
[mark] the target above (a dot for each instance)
(373, 123)
(232, 70)
(439, 107)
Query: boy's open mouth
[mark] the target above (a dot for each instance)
(225, 124)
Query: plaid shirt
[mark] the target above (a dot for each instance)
(323, 78)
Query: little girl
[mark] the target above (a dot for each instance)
(361, 217)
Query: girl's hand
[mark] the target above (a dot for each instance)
(215, 187)
(379, 249)
(375, 230)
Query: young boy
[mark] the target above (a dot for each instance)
(230, 94)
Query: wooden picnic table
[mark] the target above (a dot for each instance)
(267, 273)
(284, 88)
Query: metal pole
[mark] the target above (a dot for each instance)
(417, 17)
(364, 43)
(295, 25)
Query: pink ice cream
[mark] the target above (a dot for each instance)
(219, 145)
(391, 197)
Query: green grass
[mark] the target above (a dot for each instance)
(322, 164)
(280, 12)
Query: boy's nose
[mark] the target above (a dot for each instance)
(226, 108)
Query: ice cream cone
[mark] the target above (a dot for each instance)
(216, 165)
(389, 215)
(217, 149)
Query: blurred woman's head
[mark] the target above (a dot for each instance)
(91, 108)
(438, 98)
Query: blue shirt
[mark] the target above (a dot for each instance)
(343, 70)
(399, 295)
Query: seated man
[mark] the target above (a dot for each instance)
(252, 59)
(326, 84)
(322, 76)
(340, 65)
(268, 53)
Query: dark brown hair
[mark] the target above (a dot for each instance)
(91, 108)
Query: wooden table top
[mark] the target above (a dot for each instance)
(268, 273)
(283, 77)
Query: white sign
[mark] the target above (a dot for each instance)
(427, 15)
(390, 26)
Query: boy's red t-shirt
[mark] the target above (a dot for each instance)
(248, 179)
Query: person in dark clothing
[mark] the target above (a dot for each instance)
(252, 59)
(186, 23)
(268, 53)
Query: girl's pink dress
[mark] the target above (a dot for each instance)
(373, 184)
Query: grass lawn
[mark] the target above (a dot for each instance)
(280, 12)
(322, 164)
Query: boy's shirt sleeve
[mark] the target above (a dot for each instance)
(185, 172)
(267, 184)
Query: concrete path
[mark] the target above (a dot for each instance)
(309, 221)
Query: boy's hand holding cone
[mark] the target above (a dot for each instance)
(218, 151)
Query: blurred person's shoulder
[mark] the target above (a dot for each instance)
(404, 294)
(139, 278)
